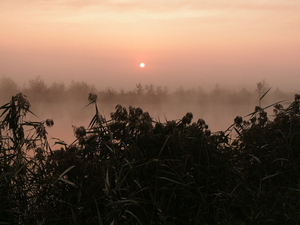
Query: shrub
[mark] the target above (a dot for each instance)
(131, 169)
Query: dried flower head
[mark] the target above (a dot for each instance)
(257, 109)
(238, 120)
(79, 132)
(187, 119)
(146, 116)
(92, 98)
(49, 122)
(278, 106)
(201, 122)
(170, 125)
(138, 111)
(21, 102)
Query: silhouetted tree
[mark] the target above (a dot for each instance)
(8, 87)
(37, 85)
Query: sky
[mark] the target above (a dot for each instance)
(188, 43)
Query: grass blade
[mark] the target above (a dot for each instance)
(264, 94)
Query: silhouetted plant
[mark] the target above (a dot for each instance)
(131, 169)
(18, 170)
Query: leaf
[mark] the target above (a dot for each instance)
(65, 180)
(229, 128)
(6, 108)
(251, 114)
(270, 176)
(265, 94)
(254, 157)
(274, 104)
(162, 148)
(60, 143)
(74, 217)
(124, 202)
(279, 159)
(68, 182)
(237, 131)
(88, 105)
(107, 183)
(100, 222)
(171, 180)
(235, 188)
(95, 121)
(33, 113)
(131, 213)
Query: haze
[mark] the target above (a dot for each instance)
(188, 46)
(183, 43)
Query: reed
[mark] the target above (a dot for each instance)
(131, 169)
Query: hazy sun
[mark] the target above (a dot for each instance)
(142, 65)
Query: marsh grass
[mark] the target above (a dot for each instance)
(130, 169)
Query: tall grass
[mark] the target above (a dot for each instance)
(130, 169)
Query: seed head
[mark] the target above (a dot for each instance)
(21, 102)
(278, 106)
(201, 122)
(257, 108)
(79, 132)
(170, 125)
(92, 98)
(187, 119)
(238, 120)
(49, 122)
(138, 111)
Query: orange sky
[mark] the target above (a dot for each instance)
(183, 42)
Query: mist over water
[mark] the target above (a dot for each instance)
(66, 104)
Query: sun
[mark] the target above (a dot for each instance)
(142, 65)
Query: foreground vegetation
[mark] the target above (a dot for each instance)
(130, 169)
